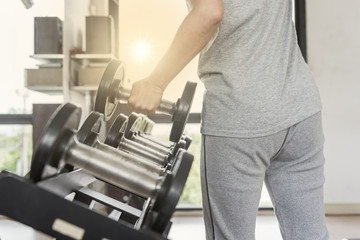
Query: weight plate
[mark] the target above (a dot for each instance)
(111, 81)
(167, 200)
(188, 141)
(149, 126)
(174, 153)
(90, 129)
(182, 111)
(116, 131)
(179, 145)
(65, 118)
(142, 123)
(132, 125)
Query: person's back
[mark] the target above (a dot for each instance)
(254, 71)
(261, 122)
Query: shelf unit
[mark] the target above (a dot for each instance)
(88, 91)
(46, 89)
(88, 61)
(74, 33)
(47, 59)
(51, 57)
(97, 57)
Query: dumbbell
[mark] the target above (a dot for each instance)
(137, 154)
(59, 145)
(111, 92)
(116, 138)
(62, 134)
(133, 134)
(143, 131)
(144, 127)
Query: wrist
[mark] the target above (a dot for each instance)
(158, 81)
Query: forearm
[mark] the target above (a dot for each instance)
(193, 34)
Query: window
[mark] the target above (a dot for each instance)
(16, 148)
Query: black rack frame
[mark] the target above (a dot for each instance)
(43, 206)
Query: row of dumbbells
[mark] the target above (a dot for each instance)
(129, 158)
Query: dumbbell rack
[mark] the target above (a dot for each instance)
(43, 206)
(55, 199)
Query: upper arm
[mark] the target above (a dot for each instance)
(208, 8)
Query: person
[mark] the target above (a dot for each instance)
(261, 116)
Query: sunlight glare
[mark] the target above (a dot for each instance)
(141, 50)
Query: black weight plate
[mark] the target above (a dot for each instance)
(90, 128)
(179, 145)
(188, 141)
(181, 114)
(166, 202)
(66, 117)
(132, 125)
(114, 72)
(116, 131)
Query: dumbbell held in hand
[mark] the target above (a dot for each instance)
(111, 91)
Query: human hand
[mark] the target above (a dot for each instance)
(145, 97)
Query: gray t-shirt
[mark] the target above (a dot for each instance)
(257, 82)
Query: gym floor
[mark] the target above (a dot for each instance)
(340, 227)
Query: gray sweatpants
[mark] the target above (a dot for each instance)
(291, 163)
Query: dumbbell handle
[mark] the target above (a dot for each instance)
(107, 167)
(164, 144)
(165, 106)
(147, 165)
(143, 151)
(148, 143)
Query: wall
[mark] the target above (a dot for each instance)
(334, 57)
(73, 37)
